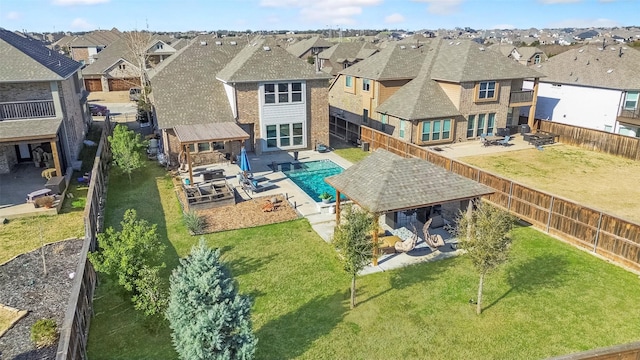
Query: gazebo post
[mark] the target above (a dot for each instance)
(186, 147)
(376, 225)
(337, 207)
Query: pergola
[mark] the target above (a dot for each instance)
(198, 133)
(39, 131)
(384, 182)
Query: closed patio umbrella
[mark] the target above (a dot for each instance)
(245, 166)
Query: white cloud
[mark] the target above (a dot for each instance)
(81, 24)
(335, 12)
(394, 18)
(559, 1)
(503, 26)
(13, 15)
(606, 1)
(584, 23)
(78, 2)
(442, 7)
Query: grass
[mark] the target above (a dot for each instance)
(22, 235)
(602, 181)
(550, 299)
(6, 317)
(348, 151)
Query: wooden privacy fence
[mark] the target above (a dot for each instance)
(625, 146)
(607, 235)
(75, 326)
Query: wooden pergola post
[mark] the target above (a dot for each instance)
(376, 226)
(532, 109)
(56, 158)
(337, 207)
(186, 148)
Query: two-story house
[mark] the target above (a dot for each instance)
(342, 55)
(592, 87)
(42, 104)
(433, 93)
(83, 48)
(277, 100)
(309, 49)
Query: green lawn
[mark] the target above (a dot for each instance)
(551, 299)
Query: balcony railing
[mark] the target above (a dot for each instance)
(524, 96)
(631, 114)
(27, 110)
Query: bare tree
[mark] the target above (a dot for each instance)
(138, 43)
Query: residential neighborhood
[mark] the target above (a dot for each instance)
(337, 180)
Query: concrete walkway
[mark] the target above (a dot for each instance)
(475, 147)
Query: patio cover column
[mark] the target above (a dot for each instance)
(532, 109)
(337, 207)
(186, 149)
(56, 158)
(376, 225)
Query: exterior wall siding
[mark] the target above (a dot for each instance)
(80, 53)
(388, 88)
(8, 158)
(318, 110)
(129, 71)
(249, 108)
(74, 118)
(453, 91)
(468, 105)
(25, 91)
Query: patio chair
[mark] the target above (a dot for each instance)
(434, 241)
(409, 244)
(505, 142)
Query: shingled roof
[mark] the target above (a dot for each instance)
(256, 62)
(26, 59)
(336, 54)
(108, 57)
(385, 182)
(590, 66)
(185, 87)
(391, 63)
(35, 128)
(299, 48)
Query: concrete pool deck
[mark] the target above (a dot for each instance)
(321, 220)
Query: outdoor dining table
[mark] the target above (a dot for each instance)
(494, 138)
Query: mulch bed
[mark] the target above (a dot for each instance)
(23, 286)
(245, 213)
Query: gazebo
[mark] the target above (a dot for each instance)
(384, 182)
(211, 132)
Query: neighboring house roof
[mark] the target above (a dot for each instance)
(384, 182)
(165, 50)
(33, 128)
(590, 66)
(301, 47)
(185, 88)
(96, 38)
(108, 57)
(338, 53)
(462, 61)
(30, 60)
(178, 43)
(527, 52)
(505, 50)
(391, 63)
(256, 62)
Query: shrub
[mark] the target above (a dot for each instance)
(194, 222)
(44, 201)
(44, 333)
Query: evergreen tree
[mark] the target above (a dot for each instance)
(207, 316)
(352, 239)
(126, 148)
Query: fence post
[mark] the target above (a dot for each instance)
(550, 212)
(595, 243)
(510, 196)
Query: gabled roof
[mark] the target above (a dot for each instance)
(30, 60)
(393, 62)
(527, 52)
(109, 56)
(299, 48)
(256, 62)
(185, 87)
(504, 49)
(346, 50)
(96, 38)
(590, 66)
(385, 182)
(461, 61)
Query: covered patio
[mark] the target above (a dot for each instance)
(385, 183)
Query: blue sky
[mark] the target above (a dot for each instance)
(172, 15)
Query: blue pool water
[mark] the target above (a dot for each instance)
(309, 176)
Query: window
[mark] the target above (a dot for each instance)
(608, 128)
(282, 93)
(348, 81)
(218, 145)
(285, 135)
(536, 59)
(631, 100)
(204, 147)
(487, 90)
(297, 134)
(366, 84)
(480, 125)
(365, 116)
(122, 66)
(159, 46)
(471, 126)
(402, 129)
(491, 123)
(383, 120)
(272, 136)
(436, 130)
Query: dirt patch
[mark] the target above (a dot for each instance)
(109, 96)
(245, 213)
(24, 286)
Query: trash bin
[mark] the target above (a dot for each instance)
(365, 146)
(525, 129)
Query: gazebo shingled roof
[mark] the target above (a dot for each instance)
(385, 182)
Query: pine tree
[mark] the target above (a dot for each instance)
(207, 316)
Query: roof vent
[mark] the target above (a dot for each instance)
(266, 48)
(49, 52)
(481, 49)
(402, 47)
(539, 65)
(203, 43)
(233, 43)
(614, 49)
(218, 42)
(458, 43)
(600, 49)
(609, 71)
(581, 50)
(414, 46)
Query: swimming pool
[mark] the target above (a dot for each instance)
(309, 176)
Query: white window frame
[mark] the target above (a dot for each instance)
(628, 101)
(294, 140)
(429, 135)
(401, 132)
(348, 81)
(279, 93)
(366, 85)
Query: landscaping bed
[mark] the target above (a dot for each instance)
(23, 286)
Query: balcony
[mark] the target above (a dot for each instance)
(27, 110)
(630, 116)
(521, 98)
